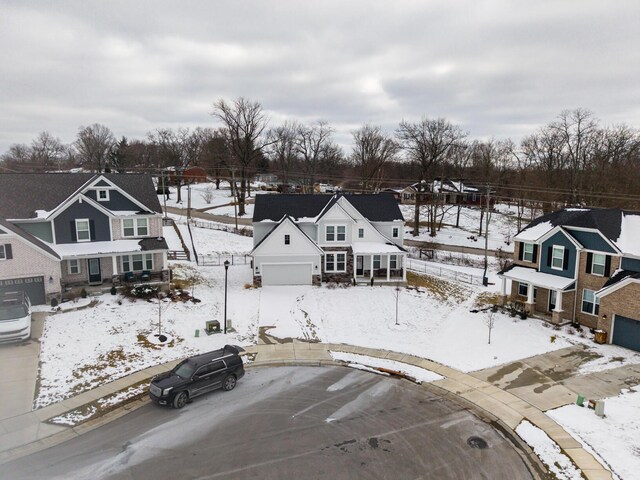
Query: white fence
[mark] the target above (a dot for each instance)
(215, 259)
(420, 266)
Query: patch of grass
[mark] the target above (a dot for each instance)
(485, 299)
(441, 288)
(144, 342)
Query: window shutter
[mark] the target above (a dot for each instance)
(565, 260)
(520, 250)
(92, 230)
(74, 238)
(607, 266)
(535, 253)
(589, 262)
(7, 251)
(549, 255)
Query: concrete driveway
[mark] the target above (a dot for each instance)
(551, 380)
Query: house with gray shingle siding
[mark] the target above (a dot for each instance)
(65, 231)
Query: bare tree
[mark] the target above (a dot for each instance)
(282, 149)
(490, 320)
(17, 159)
(94, 144)
(313, 145)
(47, 152)
(427, 143)
(372, 150)
(244, 123)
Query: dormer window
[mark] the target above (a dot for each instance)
(287, 239)
(103, 195)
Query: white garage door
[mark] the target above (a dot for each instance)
(286, 274)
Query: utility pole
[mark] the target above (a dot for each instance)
(164, 195)
(235, 196)
(485, 280)
(188, 202)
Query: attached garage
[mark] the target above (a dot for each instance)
(32, 286)
(626, 332)
(286, 274)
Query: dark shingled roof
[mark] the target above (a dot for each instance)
(608, 221)
(381, 207)
(153, 244)
(21, 194)
(28, 237)
(619, 276)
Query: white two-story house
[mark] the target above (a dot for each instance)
(62, 231)
(309, 239)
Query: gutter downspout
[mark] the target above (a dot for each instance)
(575, 296)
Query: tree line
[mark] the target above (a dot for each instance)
(572, 160)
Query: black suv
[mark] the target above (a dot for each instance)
(197, 375)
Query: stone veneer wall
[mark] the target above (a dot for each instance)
(341, 277)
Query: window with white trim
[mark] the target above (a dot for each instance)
(598, 263)
(83, 232)
(376, 262)
(393, 262)
(335, 262)
(287, 239)
(361, 233)
(335, 233)
(395, 232)
(137, 262)
(527, 252)
(590, 302)
(135, 227)
(523, 289)
(103, 195)
(73, 266)
(557, 257)
(3, 255)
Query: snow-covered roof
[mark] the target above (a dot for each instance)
(531, 234)
(538, 279)
(375, 247)
(96, 248)
(629, 240)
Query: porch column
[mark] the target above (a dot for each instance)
(403, 258)
(114, 264)
(355, 267)
(165, 262)
(388, 269)
(558, 307)
(370, 266)
(530, 304)
(503, 291)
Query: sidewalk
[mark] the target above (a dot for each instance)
(28, 433)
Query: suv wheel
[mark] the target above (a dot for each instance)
(229, 383)
(180, 400)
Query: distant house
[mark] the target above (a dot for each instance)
(175, 176)
(458, 192)
(63, 231)
(407, 195)
(581, 265)
(308, 239)
(266, 178)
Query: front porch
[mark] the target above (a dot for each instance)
(379, 268)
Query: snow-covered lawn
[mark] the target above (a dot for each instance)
(614, 438)
(89, 347)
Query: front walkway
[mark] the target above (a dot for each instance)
(500, 405)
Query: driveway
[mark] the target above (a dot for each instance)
(551, 380)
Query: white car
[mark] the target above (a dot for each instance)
(15, 317)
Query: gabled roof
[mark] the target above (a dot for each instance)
(21, 194)
(379, 207)
(287, 218)
(618, 280)
(29, 238)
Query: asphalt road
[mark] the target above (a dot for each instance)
(293, 422)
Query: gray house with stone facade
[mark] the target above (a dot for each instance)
(583, 266)
(65, 231)
(309, 239)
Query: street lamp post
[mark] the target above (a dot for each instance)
(397, 296)
(226, 271)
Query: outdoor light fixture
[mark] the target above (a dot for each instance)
(226, 271)
(50, 279)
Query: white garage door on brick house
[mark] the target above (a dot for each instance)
(286, 274)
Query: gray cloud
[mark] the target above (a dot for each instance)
(497, 68)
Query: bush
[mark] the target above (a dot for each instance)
(83, 293)
(54, 302)
(113, 290)
(553, 339)
(524, 315)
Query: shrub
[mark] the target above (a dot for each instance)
(553, 339)
(523, 315)
(571, 331)
(54, 302)
(83, 293)
(113, 290)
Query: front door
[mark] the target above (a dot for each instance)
(95, 276)
(359, 266)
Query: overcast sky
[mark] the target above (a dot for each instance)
(497, 68)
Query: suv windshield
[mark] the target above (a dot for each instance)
(184, 370)
(12, 312)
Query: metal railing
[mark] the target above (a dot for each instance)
(218, 259)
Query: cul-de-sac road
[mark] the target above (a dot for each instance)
(290, 422)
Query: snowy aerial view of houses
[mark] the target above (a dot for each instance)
(296, 253)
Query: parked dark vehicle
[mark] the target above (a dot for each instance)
(198, 375)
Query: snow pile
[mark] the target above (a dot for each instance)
(615, 438)
(355, 360)
(549, 452)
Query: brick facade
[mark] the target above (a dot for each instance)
(590, 282)
(625, 301)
